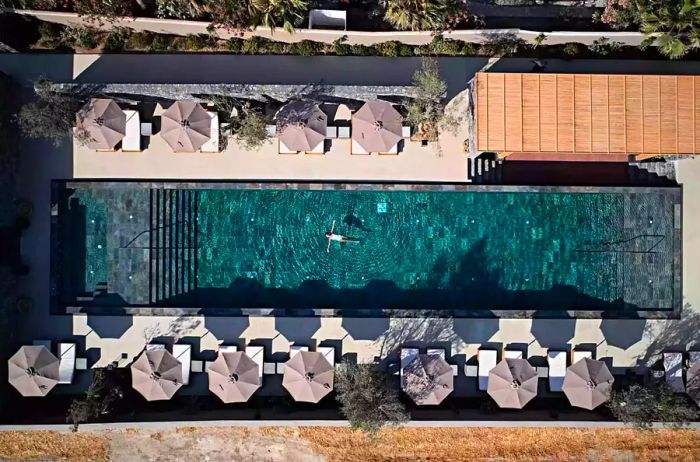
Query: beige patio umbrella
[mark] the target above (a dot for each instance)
(376, 126)
(303, 125)
(692, 382)
(101, 124)
(156, 374)
(33, 370)
(588, 383)
(233, 377)
(308, 376)
(512, 383)
(185, 126)
(427, 379)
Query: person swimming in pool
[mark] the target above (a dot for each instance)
(331, 236)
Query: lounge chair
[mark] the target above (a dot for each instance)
(343, 133)
(406, 131)
(328, 353)
(155, 347)
(441, 353)
(44, 343)
(407, 357)
(66, 364)
(294, 349)
(578, 355)
(673, 367)
(513, 354)
(183, 353)
(693, 357)
(132, 136)
(257, 354)
(487, 360)
(557, 369)
(271, 130)
(331, 132)
(212, 144)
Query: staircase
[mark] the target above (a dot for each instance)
(652, 172)
(484, 170)
(173, 245)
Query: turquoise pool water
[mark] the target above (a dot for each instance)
(443, 250)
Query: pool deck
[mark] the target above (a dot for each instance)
(440, 162)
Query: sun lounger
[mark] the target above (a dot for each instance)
(228, 348)
(673, 367)
(441, 352)
(183, 353)
(257, 354)
(557, 369)
(132, 135)
(343, 132)
(197, 366)
(331, 132)
(578, 355)
(81, 364)
(513, 354)
(44, 343)
(66, 362)
(294, 349)
(471, 370)
(212, 144)
(269, 368)
(155, 347)
(487, 361)
(271, 130)
(328, 353)
(407, 357)
(406, 131)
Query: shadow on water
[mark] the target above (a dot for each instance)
(353, 221)
(465, 285)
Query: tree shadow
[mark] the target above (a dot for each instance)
(178, 328)
(553, 333)
(416, 332)
(672, 335)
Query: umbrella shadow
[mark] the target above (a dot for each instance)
(365, 328)
(476, 330)
(110, 326)
(298, 331)
(553, 333)
(417, 332)
(227, 330)
(623, 333)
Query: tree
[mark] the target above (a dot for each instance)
(539, 39)
(436, 15)
(365, 399)
(279, 13)
(670, 25)
(103, 10)
(498, 44)
(98, 400)
(50, 115)
(642, 406)
(426, 109)
(250, 129)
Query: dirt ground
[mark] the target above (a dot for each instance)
(315, 444)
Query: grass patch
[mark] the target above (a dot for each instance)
(504, 444)
(69, 447)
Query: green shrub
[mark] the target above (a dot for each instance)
(571, 49)
(341, 48)
(50, 34)
(116, 39)
(306, 48)
(278, 48)
(234, 45)
(445, 47)
(469, 49)
(80, 37)
(161, 42)
(198, 42)
(255, 45)
(604, 46)
(139, 41)
(406, 50)
(362, 50)
(390, 49)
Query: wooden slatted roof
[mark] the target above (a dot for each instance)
(587, 114)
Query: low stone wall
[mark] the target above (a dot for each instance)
(263, 93)
(181, 27)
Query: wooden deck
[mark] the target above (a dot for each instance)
(587, 114)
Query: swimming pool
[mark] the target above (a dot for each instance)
(457, 250)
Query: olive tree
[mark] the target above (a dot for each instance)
(365, 399)
(426, 109)
(642, 406)
(51, 115)
(98, 400)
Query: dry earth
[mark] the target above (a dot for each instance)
(315, 444)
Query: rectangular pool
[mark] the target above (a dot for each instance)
(446, 249)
